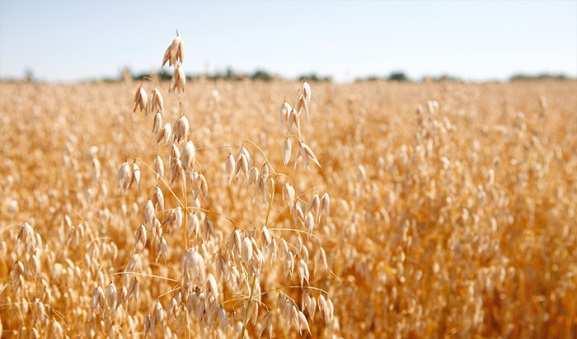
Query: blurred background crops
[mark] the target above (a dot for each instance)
(453, 205)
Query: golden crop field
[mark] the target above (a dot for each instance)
(282, 209)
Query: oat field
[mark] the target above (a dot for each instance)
(281, 209)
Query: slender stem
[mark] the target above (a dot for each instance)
(147, 276)
(185, 194)
(295, 230)
(247, 308)
(269, 206)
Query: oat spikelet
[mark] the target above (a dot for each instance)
(156, 103)
(287, 151)
(289, 194)
(125, 176)
(307, 91)
(141, 237)
(174, 53)
(140, 99)
(165, 134)
(302, 323)
(285, 112)
(188, 155)
(157, 122)
(181, 129)
(136, 174)
(159, 167)
(178, 79)
(308, 153)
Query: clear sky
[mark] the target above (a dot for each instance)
(69, 40)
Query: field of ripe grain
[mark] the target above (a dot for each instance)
(354, 210)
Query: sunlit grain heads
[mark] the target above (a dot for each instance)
(159, 167)
(178, 79)
(177, 173)
(254, 176)
(309, 304)
(111, 296)
(174, 53)
(308, 154)
(326, 308)
(326, 204)
(165, 134)
(178, 218)
(98, 299)
(157, 123)
(188, 155)
(140, 100)
(156, 103)
(149, 213)
(193, 268)
(162, 250)
(133, 264)
(265, 171)
(289, 264)
(158, 314)
(173, 308)
(246, 153)
(148, 326)
(222, 318)
(266, 235)
(321, 261)
(141, 237)
(174, 154)
(299, 210)
(287, 151)
(193, 224)
(236, 240)
(310, 222)
(303, 271)
(432, 106)
(302, 323)
(203, 186)
(158, 198)
(264, 326)
(56, 330)
(212, 286)
(196, 305)
(307, 92)
(315, 206)
(246, 249)
(289, 194)
(306, 98)
(181, 129)
(285, 111)
(303, 102)
(242, 164)
(125, 177)
(136, 174)
(294, 123)
(26, 233)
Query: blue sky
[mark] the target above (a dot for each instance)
(69, 40)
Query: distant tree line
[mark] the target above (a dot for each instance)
(400, 76)
(540, 76)
(229, 74)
